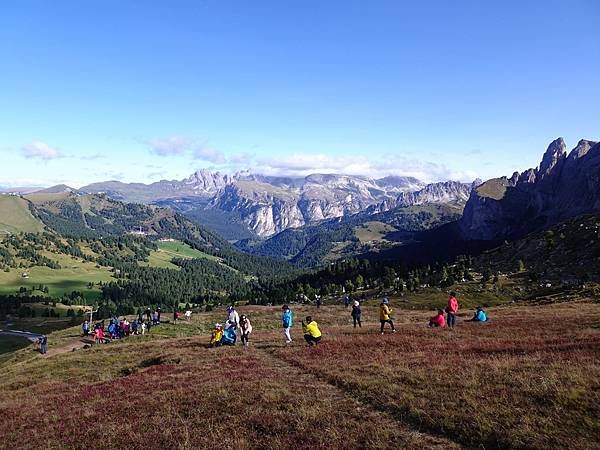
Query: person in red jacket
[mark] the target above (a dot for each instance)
(438, 321)
(451, 310)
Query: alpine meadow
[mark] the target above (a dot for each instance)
(314, 225)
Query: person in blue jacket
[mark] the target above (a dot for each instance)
(229, 334)
(287, 320)
(480, 315)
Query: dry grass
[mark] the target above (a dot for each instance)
(529, 379)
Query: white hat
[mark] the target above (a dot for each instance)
(355, 302)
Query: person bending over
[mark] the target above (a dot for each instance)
(311, 331)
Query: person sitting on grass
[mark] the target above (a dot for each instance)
(384, 315)
(311, 331)
(245, 329)
(479, 316)
(438, 321)
(229, 334)
(217, 336)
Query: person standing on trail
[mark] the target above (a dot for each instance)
(438, 321)
(384, 315)
(245, 329)
(85, 328)
(451, 310)
(347, 302)
(287, 320)
(318, 297)
(356, 313)
(43, 344)
(312, 334)
(158, 314)
(148, 314)
(232, 316)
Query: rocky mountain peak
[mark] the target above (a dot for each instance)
(554, 154)
(582, 148)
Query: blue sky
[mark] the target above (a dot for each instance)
(145, 90)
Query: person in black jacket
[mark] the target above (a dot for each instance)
(356, 312)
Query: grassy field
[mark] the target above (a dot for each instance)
(15, 216)
(167, 251)
(373, 231)
(74, 274)
(527, 379)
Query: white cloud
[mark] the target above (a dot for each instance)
(302, 164)
(40, 150)
(209, 154)
(169, 146)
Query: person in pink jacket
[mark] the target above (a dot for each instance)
(451, 310)
(438, 321)
(246, 329)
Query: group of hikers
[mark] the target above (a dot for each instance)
(121, 328)
(240, 325)
(236, 325)
(439, 321)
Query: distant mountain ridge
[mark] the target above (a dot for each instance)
(561, 187)
(266, 205)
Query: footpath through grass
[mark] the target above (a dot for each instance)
(528, 379)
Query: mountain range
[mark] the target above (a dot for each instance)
(245, 205)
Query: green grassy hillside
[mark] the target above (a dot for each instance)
(167, 251)
(15, 216)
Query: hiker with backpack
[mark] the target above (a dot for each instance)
(312, 334)
(245, 329)
(287, 322)
(451, 310)
(356, 313)
(385, 315)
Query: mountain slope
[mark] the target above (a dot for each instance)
(261, 205)
(563, 186)
(15, 216)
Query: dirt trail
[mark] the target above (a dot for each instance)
(68, 346)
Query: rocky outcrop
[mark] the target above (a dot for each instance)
(563, 186)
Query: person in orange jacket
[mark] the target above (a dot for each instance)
(438, 321)
(451, 310)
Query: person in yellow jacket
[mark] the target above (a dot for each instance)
(217, 335)
(384, 314)
(311, 331)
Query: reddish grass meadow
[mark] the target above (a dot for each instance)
(528, 379)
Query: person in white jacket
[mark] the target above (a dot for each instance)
(246, 329)
(233, 316)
